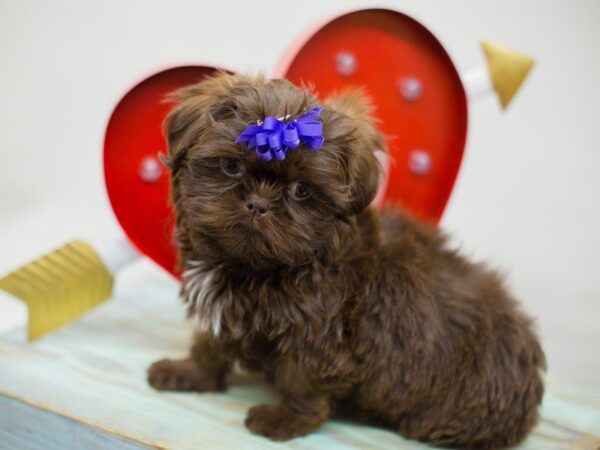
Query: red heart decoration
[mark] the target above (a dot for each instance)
(418, 96)
(136, 181)
(417, 92)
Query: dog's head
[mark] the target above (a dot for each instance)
(266, 213)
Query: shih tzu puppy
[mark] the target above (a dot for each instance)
(344, 308)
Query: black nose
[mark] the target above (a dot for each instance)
(257, 206)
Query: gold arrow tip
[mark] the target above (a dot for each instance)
(507, 68)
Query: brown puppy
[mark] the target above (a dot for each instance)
(288, 271)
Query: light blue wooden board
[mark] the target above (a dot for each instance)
(25, 427)
(90, 377)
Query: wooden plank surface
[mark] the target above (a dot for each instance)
(88, 381)
(26, 427)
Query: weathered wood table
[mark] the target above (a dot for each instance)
(84, 387)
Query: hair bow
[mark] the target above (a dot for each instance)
(272, 137)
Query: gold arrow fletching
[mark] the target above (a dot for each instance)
(60, 286)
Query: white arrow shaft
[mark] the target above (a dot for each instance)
(116, 253)
(477, 82)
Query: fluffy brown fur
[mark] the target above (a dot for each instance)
(341, 306)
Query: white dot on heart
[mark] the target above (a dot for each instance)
(410, 88)
(150, 169)
(345, 63)
(419, 162)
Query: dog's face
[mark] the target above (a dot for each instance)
(274, 213)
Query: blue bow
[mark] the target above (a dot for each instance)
(273, 138)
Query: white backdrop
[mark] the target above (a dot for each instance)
(527, 196)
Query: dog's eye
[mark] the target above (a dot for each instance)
(231, 166)
(300, 190)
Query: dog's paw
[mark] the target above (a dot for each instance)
(182, 375)
(279, 423)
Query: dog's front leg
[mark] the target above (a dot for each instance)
(302, 410)
(204, 370)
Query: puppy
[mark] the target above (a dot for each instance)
(344, 308)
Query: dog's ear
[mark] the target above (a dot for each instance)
(361, 139)
(196, 108)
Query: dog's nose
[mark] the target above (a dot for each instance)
(257, 206)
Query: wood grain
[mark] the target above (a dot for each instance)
(84, 386)
(26, 427)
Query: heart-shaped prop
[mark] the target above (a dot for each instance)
(416, 90)
(136, 181)
(418, 97)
